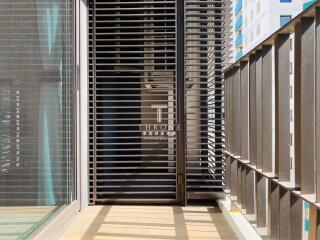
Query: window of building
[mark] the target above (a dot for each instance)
(285, 1)
(284, 19)
(258, 7)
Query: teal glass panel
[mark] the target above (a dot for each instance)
(239, 40)
(238, 24)
(308, 4)
(238, 7)
(239, 55)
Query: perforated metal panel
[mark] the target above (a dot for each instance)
(142, 108)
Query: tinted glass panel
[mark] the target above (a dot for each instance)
(284, 20)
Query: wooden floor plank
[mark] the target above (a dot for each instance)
(149, 222)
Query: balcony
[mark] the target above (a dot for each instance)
(122, 105)
(238, 24)
(238, 7)
(239, 40)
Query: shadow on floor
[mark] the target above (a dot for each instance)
(159, 222)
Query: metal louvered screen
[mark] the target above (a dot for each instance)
(203, 99)
(132, 101)
(135, 98)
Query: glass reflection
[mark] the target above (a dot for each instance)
(36, 113)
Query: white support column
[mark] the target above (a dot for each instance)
(83, 126)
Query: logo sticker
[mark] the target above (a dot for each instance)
(158, 130)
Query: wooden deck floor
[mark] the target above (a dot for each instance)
(149, 222)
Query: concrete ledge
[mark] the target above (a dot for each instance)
(239, 224)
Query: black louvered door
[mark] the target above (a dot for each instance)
(149, 124)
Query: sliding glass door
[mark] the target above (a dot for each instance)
(37, 114)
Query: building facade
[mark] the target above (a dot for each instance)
(255, 20)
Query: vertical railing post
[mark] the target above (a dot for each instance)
(252, 112)
(297, 103)
(307, 111)
(283, 107)
(317, 83)
(180, 101)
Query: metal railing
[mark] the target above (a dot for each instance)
(272, 112)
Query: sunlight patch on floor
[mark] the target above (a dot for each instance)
(149, 222)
